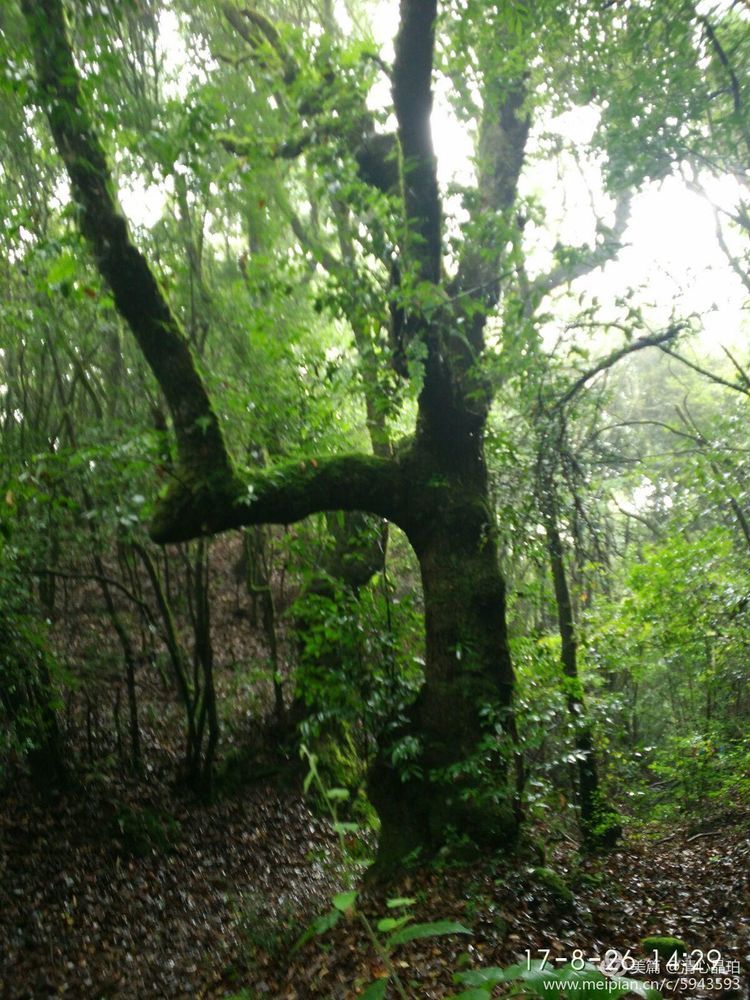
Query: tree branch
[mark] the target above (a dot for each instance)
(737, 367)
(596, 257)
(740, 219)
(328, 260)
(98, 578)
(341, 269)
(135, 289)
(205, 496)
(650, 340)
(261, 35)
(374, 153)
(744, 389)
(284, 494)
(504, 130)
(645, 423)
(638, 517)
(734, 263)
(412, 99)
(734, 82)
(734, 504)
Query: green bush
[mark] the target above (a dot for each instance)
(266, 929)
(357, 665)
(704, 767)
(664, 947)
(29, 676)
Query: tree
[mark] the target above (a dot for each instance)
(441, 291)
(676, 81)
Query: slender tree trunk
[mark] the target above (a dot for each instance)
(205, 657)
(177, 656)
(599, 824)
(130, 664)
(118, 727)
(259, 586)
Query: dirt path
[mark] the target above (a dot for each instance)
(220, 893)
(694, 889)
(82, 916)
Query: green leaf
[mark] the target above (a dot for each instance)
(376, 990)
(489, 977)
(393, 904)
(344, 901)
(417, 931)
(391, 923)
(63, 269)
(319, 926)
(326, 922)
(540, 981)
(548, 982)
(571, 977)
(345, 827)
(337, 794)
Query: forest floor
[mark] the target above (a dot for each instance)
(129, 890)
(94, 904)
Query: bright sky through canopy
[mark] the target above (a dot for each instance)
(671, 252)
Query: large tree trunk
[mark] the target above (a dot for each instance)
(449, 788)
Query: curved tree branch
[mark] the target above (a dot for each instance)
(286, 493)
(739, 218)
(375, 153)
(504, 131)
(206, 495)
(741, 387)
(109, 581)
(734, 82)
(602, 253)
(649, 340)
(261, 34)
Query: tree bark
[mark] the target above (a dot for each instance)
(447, 787)
(128, 655)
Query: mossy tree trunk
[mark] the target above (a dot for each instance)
(467, 692)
